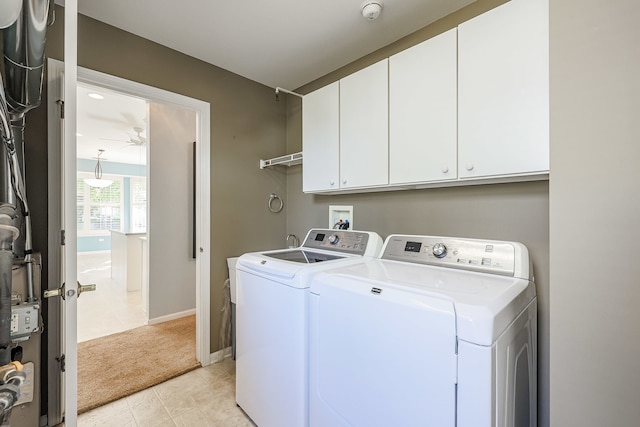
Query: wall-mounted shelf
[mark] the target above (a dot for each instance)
(288, 160)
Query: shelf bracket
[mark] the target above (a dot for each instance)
(288, 160)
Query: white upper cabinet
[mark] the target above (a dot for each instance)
(503, 91)
(423, 111)
(364, 124)
(468, 106)
(321, 139)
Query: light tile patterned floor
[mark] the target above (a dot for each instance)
(110, 308)
(204, 397)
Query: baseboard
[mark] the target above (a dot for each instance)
(220, 355)
(172, 316)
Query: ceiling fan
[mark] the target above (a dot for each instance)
(134, 140)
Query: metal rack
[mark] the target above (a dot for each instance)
(288, 160)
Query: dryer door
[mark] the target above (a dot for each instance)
(380, 356)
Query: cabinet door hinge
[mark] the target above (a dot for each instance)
(60, 102)
(61, 359)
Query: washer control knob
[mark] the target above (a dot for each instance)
(439, 250)
(333, 239)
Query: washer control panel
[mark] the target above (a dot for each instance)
(469, 254)
(439, 250)
(353, 242)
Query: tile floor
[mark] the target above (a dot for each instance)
(110, 308)
(204, 397)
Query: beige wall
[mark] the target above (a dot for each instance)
(171, 269)
(246, 125)
(501, 211)
(594, 212)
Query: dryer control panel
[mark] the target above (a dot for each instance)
(495, 257)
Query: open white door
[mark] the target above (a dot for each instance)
(62, 353)
(69, 257)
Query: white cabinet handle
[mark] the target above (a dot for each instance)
(344, 181)
(445, 169)
(332, 183)
(469, 166)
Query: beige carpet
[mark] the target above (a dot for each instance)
(118, 365)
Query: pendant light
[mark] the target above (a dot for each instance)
(98, 181)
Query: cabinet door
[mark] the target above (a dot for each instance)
(423, 111)
(321, 139)
(503, 89)
(364, 124)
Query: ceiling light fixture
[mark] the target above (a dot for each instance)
(98, 181)
(371, 9)
(95, 96)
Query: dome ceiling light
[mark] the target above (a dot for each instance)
(371, 9)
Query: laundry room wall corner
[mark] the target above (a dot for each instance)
(595, 96)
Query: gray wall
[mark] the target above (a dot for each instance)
(171, 268)
(594, 212)
(518, 211)
(246, 125)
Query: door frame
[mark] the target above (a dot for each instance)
(202, 197)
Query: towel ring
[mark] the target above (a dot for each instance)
(277, 208)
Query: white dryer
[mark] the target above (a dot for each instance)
(272, 321)
(437, 332)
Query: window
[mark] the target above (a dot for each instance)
(99, 210)
(138, 204)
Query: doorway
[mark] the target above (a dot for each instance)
(201, 201)
(111, 192)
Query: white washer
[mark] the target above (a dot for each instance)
(437, 332)
(272, 322)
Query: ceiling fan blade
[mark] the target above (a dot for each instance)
(106, 119)
(134, 122)
(116, 140)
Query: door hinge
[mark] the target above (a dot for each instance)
(60, 102)
(61, 359)
(63, 237)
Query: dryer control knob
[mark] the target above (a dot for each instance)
(333, 239)
(439, 250)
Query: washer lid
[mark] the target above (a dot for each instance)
(303, 257)
(485, 304)
(292, 272)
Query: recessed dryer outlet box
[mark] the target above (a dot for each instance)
(340, 213)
